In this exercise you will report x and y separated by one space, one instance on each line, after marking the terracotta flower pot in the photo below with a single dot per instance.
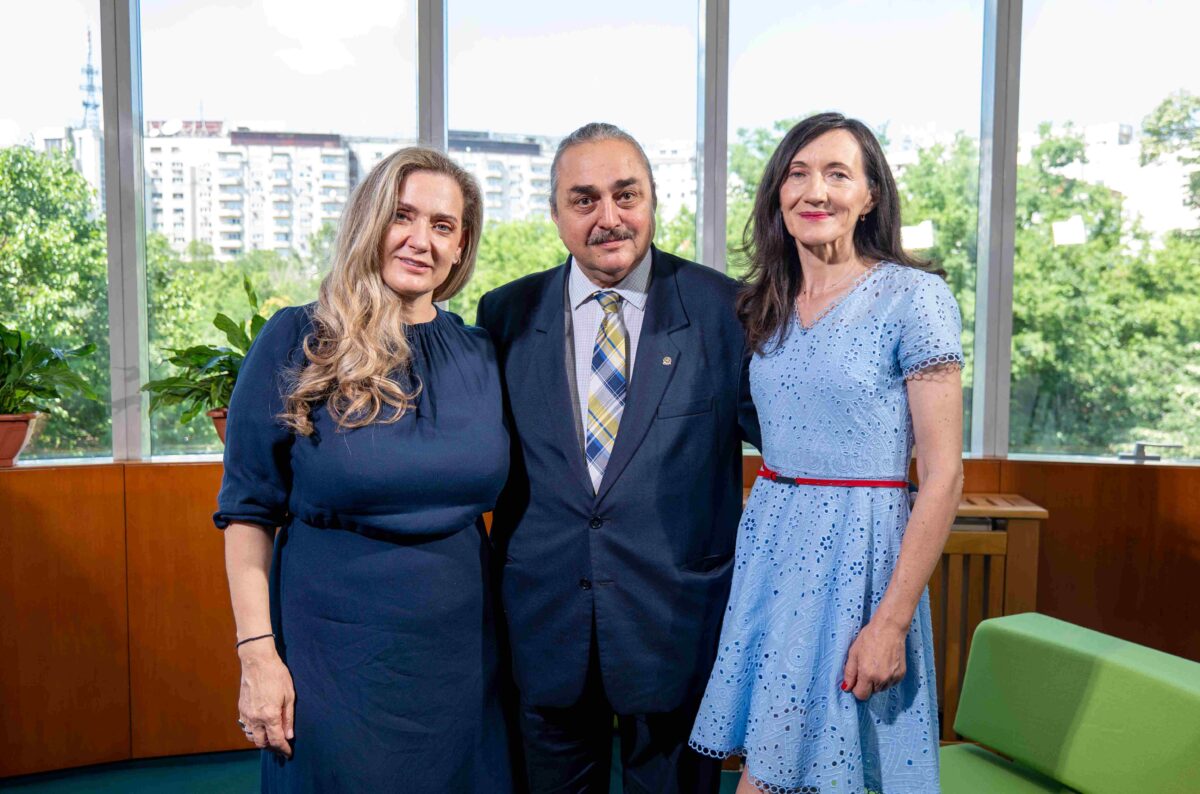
218 416
15 431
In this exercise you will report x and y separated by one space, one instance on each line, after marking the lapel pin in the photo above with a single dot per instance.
666 361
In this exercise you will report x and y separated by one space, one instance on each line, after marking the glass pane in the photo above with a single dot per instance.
53 260
260 118
788 60
1106 294
635 69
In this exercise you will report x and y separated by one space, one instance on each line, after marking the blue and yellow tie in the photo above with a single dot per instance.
606 392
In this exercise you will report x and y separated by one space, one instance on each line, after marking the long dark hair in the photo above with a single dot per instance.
773 279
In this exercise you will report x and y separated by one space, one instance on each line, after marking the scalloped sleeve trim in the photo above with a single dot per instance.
954 360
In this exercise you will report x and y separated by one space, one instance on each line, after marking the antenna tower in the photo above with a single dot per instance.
91 95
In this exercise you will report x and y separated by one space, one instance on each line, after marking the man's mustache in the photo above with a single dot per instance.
610 236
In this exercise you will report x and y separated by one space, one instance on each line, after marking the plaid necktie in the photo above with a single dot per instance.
606 391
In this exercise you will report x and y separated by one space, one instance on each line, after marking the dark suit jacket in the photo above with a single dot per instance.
648 557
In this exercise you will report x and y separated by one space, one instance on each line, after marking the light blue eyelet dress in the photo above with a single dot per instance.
813 562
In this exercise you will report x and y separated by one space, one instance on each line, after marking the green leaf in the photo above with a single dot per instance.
256 324
250 294
34 375
233 332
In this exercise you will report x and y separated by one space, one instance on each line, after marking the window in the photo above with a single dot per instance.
493 47
308 55
1106 300
923 104
53 261
1105 338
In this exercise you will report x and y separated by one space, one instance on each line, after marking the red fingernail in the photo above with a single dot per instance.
844 687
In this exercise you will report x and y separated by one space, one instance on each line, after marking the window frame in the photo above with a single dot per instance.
1001 53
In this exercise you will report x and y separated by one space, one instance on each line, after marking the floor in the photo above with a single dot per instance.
194 774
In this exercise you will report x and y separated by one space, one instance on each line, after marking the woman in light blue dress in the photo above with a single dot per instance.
824 677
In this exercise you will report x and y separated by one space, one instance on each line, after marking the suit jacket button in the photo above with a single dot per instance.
596 522
585 584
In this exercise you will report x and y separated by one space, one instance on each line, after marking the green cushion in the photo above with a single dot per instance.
968 769
1094 712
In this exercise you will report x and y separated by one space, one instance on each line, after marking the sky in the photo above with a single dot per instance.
546 67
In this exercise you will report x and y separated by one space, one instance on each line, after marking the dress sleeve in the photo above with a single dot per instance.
931 335
258 472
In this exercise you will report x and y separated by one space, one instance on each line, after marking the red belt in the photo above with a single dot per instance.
774 476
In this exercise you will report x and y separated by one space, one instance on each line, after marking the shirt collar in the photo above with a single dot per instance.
633 289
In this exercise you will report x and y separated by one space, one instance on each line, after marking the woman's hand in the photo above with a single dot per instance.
266 700
876 659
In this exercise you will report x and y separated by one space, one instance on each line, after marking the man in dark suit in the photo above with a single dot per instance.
625 375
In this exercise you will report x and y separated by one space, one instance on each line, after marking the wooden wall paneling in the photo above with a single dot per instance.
995 599
981 475
750 464
975 591
937 615
64 631
955 652
1021 588
184 671
1174 559
967 586
1120 552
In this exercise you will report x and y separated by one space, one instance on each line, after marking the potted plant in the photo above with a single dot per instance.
32 375
207 373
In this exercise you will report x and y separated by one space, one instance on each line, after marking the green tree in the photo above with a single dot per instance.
942 187
54 270
508 251
748 158
1104 341
1172 129
1104 331
186 291
678 235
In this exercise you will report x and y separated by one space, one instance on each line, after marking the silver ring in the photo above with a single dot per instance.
239 722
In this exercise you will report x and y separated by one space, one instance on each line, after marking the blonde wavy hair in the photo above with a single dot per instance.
358 343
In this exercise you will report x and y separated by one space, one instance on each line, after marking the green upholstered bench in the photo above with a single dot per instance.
1075 710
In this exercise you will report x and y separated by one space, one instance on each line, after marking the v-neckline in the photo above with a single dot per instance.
858 282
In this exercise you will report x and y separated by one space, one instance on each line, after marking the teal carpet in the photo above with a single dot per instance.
234 772
189 774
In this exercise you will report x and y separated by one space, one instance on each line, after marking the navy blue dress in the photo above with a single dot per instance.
380 598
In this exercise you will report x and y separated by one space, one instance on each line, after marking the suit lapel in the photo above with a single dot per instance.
664 315
548 372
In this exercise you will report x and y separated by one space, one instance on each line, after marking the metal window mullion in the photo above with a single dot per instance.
997 229
120 55
431 73
712 130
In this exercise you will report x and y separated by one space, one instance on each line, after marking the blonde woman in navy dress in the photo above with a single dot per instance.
368 427
824 677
